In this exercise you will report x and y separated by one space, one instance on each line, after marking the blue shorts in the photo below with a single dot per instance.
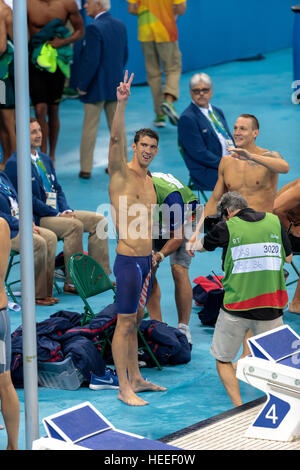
134 282
5 341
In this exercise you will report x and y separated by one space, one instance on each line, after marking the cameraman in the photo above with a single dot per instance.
255 247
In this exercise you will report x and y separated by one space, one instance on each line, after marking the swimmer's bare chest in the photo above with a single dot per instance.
41 13
256 183
248 176
133 208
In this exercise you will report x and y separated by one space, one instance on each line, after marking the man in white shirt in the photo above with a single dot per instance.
203 134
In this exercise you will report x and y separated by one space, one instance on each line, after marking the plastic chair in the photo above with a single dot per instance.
191 183
192 186
90 279
11 263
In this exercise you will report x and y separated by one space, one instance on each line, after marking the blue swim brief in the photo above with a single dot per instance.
134 282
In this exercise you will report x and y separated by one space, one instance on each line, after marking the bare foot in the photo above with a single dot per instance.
145 386
294 308
131 399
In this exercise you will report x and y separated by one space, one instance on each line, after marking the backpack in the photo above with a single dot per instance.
208 294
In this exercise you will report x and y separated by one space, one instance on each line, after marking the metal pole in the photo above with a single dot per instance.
26 238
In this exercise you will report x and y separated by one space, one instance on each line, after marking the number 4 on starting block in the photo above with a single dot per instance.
273 413
275 420
274 368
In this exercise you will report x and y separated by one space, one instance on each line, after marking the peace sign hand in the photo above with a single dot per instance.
123 91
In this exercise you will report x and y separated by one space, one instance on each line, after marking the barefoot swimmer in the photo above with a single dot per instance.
131 191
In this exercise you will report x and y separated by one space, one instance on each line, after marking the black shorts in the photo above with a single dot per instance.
45 87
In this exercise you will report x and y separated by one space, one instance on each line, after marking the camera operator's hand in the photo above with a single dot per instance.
189 249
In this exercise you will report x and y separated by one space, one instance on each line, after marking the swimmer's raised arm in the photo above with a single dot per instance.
276 163
117 157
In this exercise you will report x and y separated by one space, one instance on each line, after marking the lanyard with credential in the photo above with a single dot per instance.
5 188
45 176
12 199
218 125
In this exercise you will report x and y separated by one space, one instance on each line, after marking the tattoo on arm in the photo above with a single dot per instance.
271 153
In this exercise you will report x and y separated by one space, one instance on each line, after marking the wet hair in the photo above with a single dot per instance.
33 119
145 133
233 201
255 123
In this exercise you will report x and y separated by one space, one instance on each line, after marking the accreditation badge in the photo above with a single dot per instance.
229 143
51 200
14 207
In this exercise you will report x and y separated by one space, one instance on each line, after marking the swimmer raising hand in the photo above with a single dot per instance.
133 263
123 91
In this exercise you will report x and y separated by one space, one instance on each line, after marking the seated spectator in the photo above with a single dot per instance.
51 210
203 134
176 201
44 243
10 407
287 208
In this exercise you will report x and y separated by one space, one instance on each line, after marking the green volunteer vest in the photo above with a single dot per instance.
253 265
166 184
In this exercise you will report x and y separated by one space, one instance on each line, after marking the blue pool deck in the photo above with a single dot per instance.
194 391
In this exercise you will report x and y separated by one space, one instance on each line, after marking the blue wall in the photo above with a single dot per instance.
214 32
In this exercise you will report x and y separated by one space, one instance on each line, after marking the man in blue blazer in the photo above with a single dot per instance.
44 243
102 63
51 210
203 134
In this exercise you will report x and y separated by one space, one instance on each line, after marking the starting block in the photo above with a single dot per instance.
274 368
84 426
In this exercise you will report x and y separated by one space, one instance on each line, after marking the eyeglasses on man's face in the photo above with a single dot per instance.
198 91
